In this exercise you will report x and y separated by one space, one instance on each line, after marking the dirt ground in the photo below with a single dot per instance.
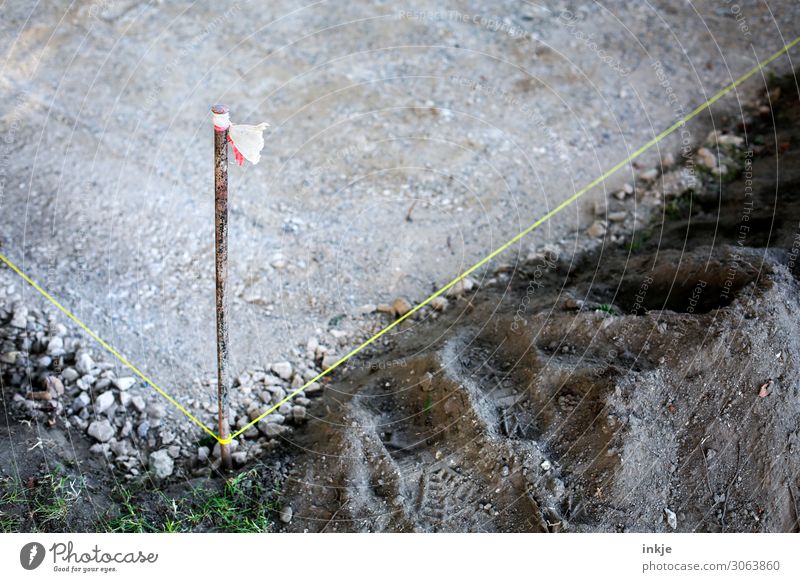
629 367
643 383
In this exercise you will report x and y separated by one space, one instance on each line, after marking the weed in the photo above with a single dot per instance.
638 239
427 406
607 308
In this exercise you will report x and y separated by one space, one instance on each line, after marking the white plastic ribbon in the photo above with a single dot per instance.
247 140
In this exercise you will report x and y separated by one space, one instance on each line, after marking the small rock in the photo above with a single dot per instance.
765 389
9 358
82 400
299 413
367 309
203 453
282 369
597 229
463 287
426 382
439 303
617 216
161 463
708 159
143 429
328 361
156 411
286 514
20 318
400 306
385 308
649 175
546 466
313 389
40 395
138 403
272 429
239 458
84 363
103 402
54 386
667 161
672 519
124 383
311 347
70 375
101 430
55 347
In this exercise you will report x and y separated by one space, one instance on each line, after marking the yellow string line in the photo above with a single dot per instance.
478 265
110 349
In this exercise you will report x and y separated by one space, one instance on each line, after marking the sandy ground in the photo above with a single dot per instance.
485 116
472 120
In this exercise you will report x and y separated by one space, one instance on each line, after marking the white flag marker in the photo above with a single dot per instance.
247 140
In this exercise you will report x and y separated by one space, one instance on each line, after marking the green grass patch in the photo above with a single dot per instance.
245 503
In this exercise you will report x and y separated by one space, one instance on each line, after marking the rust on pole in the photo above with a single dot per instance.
221 127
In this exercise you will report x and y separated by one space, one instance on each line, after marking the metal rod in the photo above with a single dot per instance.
221 253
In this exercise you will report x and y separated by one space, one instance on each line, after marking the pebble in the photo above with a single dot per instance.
400 306
101 430
82 400
708 159
299 413
138 403
672 519
20 318
272 429
203 453
649 175
286 514
103 402
617 216
463 287
439 303
313 389
84 363
124 383
161 463
70 375
282 369
55 347
54 386
597 229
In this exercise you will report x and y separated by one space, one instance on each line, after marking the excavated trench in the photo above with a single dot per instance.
626 393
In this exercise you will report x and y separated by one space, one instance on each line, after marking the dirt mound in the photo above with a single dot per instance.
648 385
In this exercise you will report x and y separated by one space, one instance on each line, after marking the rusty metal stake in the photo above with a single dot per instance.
221 250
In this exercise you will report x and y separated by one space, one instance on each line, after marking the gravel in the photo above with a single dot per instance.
161 463
101 430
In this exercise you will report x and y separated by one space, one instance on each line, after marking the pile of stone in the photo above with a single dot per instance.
51 376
